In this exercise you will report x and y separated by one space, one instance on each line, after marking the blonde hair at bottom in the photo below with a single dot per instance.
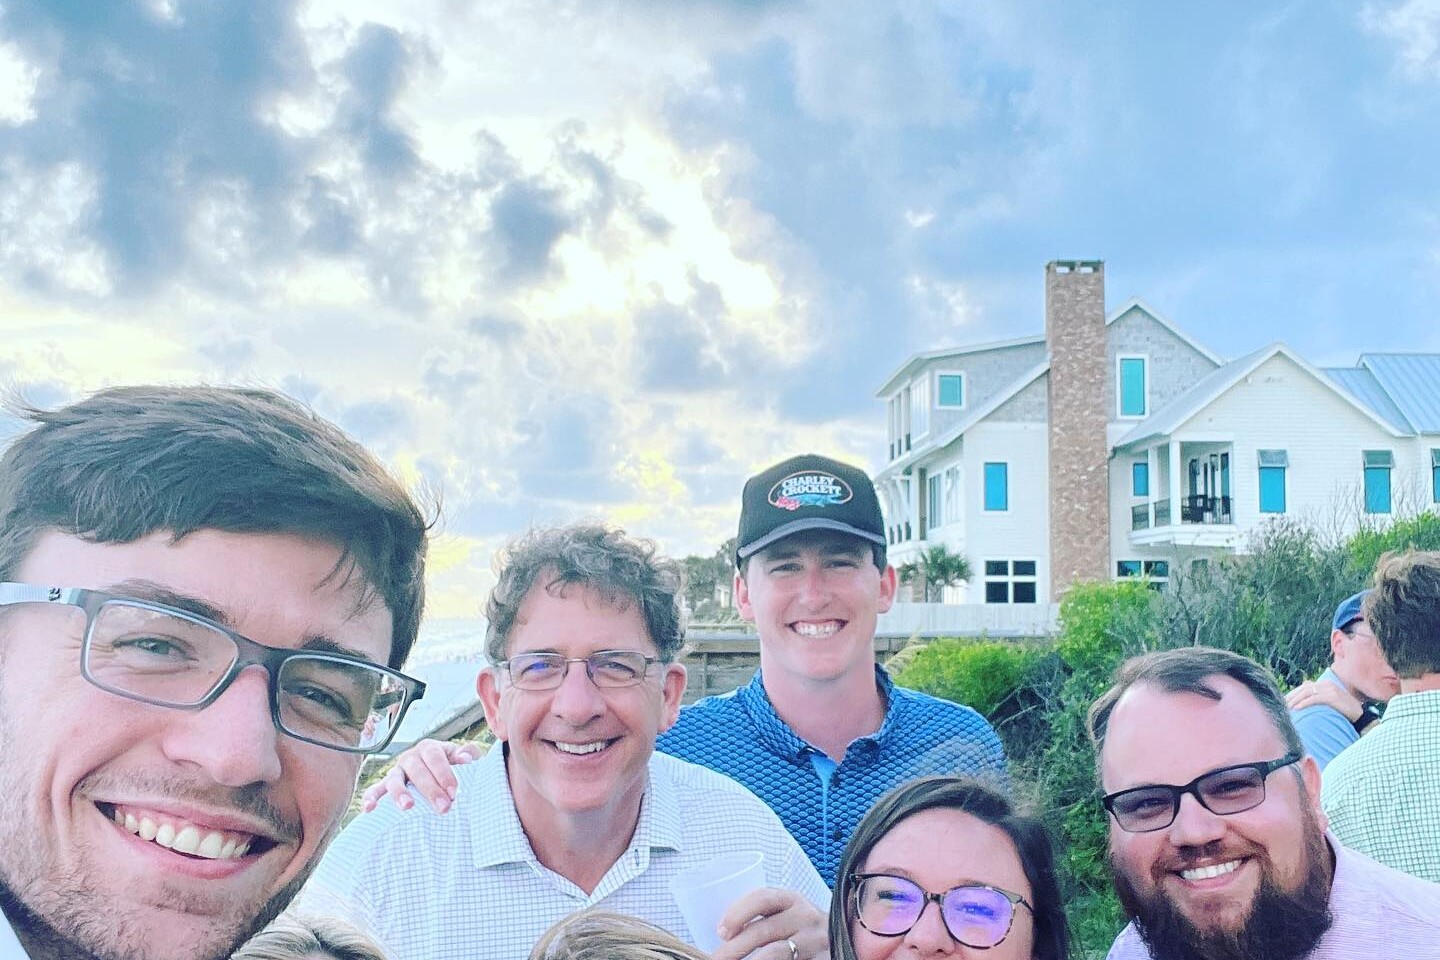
292 937
597 935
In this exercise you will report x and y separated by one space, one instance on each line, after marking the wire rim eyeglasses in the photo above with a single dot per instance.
1223 792
607 669
166 657
976 915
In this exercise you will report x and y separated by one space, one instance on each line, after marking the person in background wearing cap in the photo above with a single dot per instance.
1383 794
821 732
1332 711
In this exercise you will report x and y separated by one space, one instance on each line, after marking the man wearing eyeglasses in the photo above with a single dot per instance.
204 597
573 808
821 732
1217 842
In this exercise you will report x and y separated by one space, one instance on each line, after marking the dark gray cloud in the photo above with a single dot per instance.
332 227
526 220
382 425
568 449
161 111
450 382
231 354
603 193
678 347
674 350
377 68
502 332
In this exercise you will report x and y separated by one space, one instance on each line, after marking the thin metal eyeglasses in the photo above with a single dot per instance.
157 654
976 915
1224 791
605 668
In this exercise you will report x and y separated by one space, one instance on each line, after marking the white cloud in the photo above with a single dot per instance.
1414 27
43 215
18 79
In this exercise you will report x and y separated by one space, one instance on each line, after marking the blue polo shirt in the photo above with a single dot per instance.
818 800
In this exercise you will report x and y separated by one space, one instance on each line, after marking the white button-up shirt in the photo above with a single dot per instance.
467 885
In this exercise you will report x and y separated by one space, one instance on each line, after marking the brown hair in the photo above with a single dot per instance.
1188 670
982 801
1404 611
130 461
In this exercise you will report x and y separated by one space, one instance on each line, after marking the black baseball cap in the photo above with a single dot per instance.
808 492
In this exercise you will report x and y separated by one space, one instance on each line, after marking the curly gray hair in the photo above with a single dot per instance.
622 569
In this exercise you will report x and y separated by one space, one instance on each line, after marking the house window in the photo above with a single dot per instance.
920 407
1140 479
933 500
1155 572
1010 581
952 494
1435 474
952 390
997 486
1132 387
1273 464
1378 464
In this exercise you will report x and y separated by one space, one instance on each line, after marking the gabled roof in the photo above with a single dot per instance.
916 360
1136 303
1209 388
972 417
1412 382
1361 383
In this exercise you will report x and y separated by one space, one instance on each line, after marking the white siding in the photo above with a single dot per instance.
1281 406
1022 532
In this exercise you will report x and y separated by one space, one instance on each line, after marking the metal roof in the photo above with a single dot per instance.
1362 385
1412 381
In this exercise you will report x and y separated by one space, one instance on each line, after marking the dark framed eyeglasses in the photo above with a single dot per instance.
605 668
159 655
976 915
1224 791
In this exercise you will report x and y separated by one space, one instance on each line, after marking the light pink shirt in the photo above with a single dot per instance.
1378 912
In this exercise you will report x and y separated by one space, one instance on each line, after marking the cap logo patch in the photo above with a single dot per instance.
809 489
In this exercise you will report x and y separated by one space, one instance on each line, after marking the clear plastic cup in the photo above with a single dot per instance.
705 892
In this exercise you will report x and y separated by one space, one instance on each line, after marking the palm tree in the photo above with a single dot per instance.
936 568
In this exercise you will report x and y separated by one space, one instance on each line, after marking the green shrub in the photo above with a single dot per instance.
977 673
1421 532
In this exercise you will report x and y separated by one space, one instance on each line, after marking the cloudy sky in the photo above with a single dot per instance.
607 257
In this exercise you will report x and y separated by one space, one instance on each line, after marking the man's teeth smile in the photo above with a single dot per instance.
185 837
809 628
581 749
1210 872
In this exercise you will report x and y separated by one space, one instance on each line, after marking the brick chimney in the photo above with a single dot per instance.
1079 411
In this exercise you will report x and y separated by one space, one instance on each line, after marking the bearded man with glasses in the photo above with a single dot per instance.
573 808
1217 842
205 598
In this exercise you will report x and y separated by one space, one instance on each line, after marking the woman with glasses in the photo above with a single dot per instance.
948 865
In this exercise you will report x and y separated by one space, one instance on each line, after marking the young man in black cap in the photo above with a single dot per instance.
821 732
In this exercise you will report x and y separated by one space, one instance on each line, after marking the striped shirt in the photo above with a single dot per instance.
1378 912
1382 795
468 886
